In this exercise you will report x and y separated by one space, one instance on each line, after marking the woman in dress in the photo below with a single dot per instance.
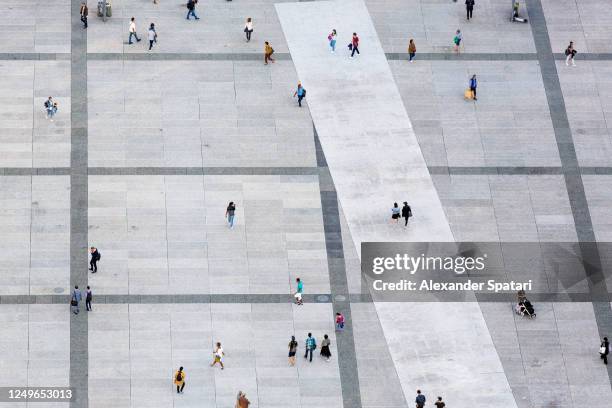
293 345
325 352
218 356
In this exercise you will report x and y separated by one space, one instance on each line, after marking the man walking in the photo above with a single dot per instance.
406 213
152 36
354 45
179 380
420 400
439 403
300 93
570 53
84 12
88 299
95 257
191 9
604 350
311 345
133 31
268 51
469 6
76 297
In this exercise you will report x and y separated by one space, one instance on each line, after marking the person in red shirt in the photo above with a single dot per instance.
355 45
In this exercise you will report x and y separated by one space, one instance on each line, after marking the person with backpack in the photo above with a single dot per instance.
300 93
311 345
570 53
420 400
406 213
49 104
268 51
473 86
88 299
332 40
293 346
132 31
95 257
469 6
179 380
248 28
152 36
354 45
604 350
191 4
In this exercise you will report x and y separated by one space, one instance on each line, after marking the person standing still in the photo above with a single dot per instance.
570 53
311 345
469 6
604 350
132 30
293 345
152 36
95 257
179 380
191 4
406 213
354 45
84 12
420 400
332 40
473 86
76 298
411 49
300 93
230 213
248 29
88 299
268 51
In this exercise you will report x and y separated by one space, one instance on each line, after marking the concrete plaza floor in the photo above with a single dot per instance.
148 148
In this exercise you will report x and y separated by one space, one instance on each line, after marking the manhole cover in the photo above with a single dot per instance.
322 298
340 298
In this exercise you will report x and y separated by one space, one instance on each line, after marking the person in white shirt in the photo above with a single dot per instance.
248 29
133 31
152 36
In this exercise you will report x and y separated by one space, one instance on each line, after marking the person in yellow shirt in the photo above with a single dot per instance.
268 51
179 380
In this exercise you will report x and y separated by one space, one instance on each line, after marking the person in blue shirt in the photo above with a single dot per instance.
311 345
420 399
300 93
300 285
473 85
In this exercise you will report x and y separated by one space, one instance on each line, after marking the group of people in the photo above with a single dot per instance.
51 108
179 380
76 297
420 401
405 212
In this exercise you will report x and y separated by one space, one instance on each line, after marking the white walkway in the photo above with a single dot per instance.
374 158
371 149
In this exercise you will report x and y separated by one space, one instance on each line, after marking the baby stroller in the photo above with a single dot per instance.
525 308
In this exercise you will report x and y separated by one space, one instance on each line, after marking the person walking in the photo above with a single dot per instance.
93 261
406 213
230 213
248 28
49 105
570 53
293 346
604 350
218 356
411 49
84 12
339 321
420 399
191 5
179 380
311 345
300 93
88 299
152 36
75 298
473 86
132 31
395 213
354 45
457 40
439 403
242 401
268 51
469 6
299 291
332 40
325 351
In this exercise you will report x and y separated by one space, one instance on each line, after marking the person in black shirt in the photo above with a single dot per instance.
469 6
406 213
95 257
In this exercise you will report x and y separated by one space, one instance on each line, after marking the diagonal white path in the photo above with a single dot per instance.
371 149
374 159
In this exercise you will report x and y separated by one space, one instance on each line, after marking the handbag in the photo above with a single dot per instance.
74 302
246 29
602 350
